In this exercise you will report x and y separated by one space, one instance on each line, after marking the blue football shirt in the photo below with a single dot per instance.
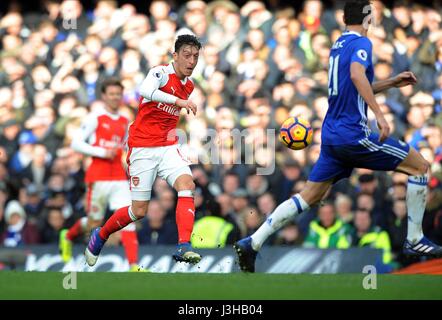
346 118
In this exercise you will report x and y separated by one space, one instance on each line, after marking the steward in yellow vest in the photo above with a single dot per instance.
327 231
367 235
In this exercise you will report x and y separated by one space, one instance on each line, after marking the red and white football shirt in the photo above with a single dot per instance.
156 122
98 132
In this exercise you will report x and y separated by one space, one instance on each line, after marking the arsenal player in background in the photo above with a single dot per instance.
153 150
102 136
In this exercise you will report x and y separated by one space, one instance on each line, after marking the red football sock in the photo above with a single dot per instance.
185 215
130 243
117 221
77 229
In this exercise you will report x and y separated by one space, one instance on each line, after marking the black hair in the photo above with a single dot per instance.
355 11
187 39
362 209
366 177
110 82
327 202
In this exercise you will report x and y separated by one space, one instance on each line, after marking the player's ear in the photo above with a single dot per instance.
175 56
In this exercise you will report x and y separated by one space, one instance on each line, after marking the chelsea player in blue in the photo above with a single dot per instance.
347 142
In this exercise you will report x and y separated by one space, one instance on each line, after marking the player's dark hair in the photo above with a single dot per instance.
110 82
187 39
355 11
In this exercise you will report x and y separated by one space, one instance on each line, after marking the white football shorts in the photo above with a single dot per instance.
145 164
101 194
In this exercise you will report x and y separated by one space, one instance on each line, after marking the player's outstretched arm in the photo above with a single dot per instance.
357 74
79 141
401 80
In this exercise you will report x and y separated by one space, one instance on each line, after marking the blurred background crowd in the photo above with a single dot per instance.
260 63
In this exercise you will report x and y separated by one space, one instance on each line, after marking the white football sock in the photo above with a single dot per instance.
282 214
416 202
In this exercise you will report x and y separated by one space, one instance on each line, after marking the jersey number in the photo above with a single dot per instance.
333 76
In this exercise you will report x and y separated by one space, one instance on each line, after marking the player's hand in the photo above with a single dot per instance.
110 153
187 104
404 79
384 128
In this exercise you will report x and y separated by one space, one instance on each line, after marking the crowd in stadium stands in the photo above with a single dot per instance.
258 66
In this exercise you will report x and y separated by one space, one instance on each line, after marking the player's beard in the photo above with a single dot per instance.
188 71
114 105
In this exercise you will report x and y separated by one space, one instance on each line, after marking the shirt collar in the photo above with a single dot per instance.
347 32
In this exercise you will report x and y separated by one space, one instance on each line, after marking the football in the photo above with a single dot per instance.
296 133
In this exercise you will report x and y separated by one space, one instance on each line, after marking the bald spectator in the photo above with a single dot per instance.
343 207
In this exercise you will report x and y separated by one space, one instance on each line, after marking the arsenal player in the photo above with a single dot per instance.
153 150
102 136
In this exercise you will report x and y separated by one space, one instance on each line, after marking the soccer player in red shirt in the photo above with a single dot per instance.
102 136
153 150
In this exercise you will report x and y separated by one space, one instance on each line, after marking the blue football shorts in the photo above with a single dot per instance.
338 161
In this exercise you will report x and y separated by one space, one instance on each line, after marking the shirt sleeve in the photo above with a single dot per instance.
84 133
362 52
150 87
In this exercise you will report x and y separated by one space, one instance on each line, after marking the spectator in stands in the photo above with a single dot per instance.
343 207
23 156
72 18
252 220
266 203
167 201
397 228
326 231
230 183
289 235
240 208
9 136
291 171
18 231
155 229
53 224
399 191
372 189
33 201
38 170
214 230
256 186
366 234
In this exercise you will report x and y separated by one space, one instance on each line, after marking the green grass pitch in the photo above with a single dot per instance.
177 286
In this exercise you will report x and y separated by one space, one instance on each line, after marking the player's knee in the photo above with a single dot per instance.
191 186
311 198
140 210
188 184
423 168
315 200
